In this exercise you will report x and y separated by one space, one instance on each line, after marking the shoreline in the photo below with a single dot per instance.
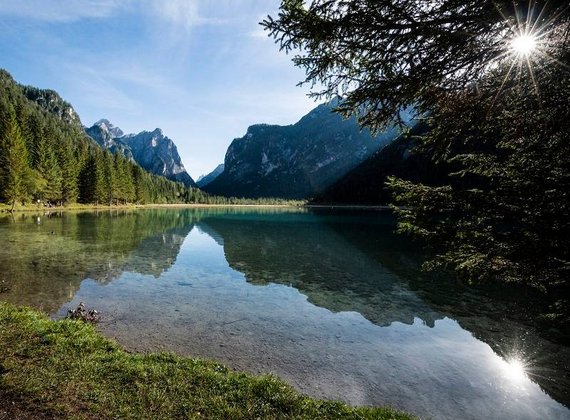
4 209
68 369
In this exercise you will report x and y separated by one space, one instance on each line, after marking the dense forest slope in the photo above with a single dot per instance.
366 184
45 155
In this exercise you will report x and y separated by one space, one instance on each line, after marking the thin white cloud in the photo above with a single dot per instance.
102 92
183 13
135 73
177 11
60 10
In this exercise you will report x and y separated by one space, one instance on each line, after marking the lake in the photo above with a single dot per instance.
332 301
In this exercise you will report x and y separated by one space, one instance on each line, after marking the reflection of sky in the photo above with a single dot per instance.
200 306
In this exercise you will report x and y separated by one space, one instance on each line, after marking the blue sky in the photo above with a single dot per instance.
202 70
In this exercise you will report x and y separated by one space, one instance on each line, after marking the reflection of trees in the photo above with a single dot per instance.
299 251
356 263
49 255
500 316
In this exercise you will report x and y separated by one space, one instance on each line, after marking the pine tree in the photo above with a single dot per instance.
92 179
125 190
504 213
14 168
129 186
47 166
139 183
70 171
23 118
109 178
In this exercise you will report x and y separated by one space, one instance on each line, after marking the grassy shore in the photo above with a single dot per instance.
89 207
67 369
4 208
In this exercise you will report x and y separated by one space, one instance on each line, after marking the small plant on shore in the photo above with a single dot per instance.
83 314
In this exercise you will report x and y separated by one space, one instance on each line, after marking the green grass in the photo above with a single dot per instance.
5 208
68 369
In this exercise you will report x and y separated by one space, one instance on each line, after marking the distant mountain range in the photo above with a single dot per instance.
152 150
322 157
296 161
204 180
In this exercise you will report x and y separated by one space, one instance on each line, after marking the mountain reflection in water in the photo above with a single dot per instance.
331 301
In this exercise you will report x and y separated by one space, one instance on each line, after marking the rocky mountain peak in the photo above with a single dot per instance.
107 126
298 160
152 150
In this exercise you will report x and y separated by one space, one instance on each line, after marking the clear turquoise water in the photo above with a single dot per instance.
331 301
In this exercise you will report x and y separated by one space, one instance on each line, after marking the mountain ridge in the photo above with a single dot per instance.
298 160
204 180
46 157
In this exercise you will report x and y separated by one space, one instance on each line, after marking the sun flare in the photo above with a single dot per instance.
514 369
523 44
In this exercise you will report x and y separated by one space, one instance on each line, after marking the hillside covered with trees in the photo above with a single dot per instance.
45 155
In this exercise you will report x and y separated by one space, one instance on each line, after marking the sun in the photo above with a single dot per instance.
523 44
514 369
